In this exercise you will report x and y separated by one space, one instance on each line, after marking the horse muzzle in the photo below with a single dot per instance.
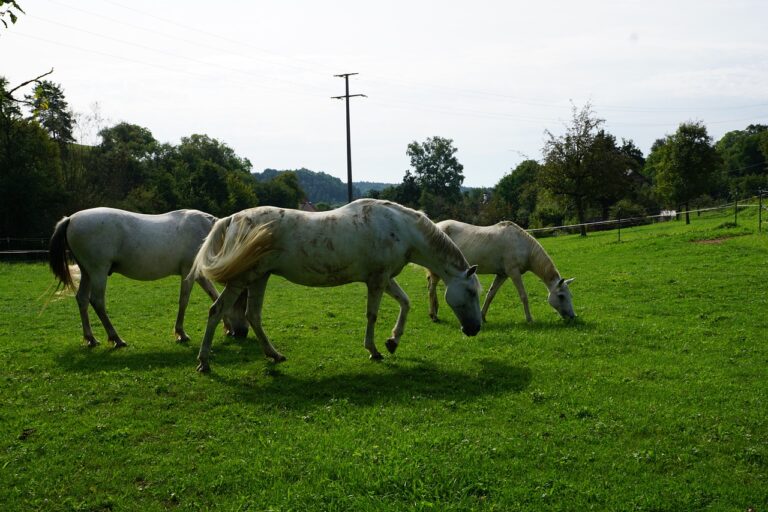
470 329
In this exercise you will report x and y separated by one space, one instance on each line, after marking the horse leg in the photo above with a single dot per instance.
184 292
497 282
517 278
399 295
98 290
375 291
432 280
83 301
223 303
253 313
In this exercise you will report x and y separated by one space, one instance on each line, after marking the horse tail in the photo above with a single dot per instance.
57 254
229 250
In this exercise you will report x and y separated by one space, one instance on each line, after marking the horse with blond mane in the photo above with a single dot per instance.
367 241
507 250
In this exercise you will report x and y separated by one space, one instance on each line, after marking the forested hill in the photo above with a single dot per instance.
321 187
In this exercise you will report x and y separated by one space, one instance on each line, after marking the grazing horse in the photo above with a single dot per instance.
367 241
138 246
507 250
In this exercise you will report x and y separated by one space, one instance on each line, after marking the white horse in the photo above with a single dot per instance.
138 246
367 241
507 250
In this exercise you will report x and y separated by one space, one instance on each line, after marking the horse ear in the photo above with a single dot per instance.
569 281
471 270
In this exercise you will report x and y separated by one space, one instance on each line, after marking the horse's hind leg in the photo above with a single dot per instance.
98 290
497 282
184 292
83 301
399 295
223 303
253 313
432 280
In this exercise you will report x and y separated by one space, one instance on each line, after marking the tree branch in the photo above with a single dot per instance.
9 94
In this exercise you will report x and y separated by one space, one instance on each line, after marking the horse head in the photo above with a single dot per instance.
462 295
560 299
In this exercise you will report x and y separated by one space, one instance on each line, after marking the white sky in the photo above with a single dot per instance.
491 75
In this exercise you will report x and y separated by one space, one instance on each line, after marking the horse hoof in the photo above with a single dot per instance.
279 358
182 338
203 368
119 343
434 318
91 343
391 345
376 357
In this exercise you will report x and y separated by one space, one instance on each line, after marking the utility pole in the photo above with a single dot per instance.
346 96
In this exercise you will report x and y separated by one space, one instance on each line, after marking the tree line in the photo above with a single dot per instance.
45 174
586 175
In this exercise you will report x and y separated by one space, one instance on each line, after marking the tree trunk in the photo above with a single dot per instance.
687 215
580 213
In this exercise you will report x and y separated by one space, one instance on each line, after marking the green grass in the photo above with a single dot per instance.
655 399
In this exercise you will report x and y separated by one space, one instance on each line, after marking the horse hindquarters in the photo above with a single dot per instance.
57 254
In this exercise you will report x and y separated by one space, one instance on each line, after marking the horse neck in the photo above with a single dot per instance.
542 265
433 249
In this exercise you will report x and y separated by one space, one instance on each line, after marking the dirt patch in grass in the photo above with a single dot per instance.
712 241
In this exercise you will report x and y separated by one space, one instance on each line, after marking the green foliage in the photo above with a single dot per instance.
515 194
317 186
744 162
51 110
436 169
652 400
9 10
686 165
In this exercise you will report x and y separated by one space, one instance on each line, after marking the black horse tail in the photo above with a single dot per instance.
57 254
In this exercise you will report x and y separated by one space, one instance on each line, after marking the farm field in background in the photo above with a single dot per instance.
656 398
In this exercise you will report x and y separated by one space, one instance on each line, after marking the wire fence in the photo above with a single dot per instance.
36 249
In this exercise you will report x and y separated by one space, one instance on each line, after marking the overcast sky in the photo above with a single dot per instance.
491 75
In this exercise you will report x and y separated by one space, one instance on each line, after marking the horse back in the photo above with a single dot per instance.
139 246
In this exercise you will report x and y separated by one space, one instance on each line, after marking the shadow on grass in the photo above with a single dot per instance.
101 358
397 379
405 380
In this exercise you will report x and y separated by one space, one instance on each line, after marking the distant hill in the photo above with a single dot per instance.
321 187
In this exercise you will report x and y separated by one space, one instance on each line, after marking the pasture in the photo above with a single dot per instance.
656 398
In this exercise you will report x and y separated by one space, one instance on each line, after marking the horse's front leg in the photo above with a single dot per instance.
432 280
184 292
223 303
399 295
253 312
497 282
375 291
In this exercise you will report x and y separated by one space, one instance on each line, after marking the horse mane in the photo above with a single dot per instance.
225 254
541 263
440 242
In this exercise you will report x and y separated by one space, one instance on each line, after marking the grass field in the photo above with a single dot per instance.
655 399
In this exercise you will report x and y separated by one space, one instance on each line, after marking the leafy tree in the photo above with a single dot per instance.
570 170
50 109
30 173
283 191
686 165
743 160
122 161
407 193
514 196
9 10
436 168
